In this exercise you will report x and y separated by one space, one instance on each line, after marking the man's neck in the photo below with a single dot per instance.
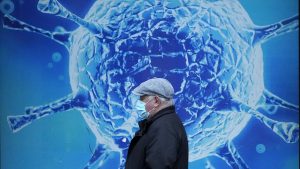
158 109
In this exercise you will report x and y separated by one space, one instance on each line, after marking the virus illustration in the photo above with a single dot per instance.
209 49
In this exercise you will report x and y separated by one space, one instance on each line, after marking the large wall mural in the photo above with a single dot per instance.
210 50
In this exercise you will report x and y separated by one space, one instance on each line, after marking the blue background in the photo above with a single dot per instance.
63 140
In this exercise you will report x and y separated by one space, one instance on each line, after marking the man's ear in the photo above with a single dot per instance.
157 101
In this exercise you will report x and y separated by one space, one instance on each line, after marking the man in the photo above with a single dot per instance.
161 142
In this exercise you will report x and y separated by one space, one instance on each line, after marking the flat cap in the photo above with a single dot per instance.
155 86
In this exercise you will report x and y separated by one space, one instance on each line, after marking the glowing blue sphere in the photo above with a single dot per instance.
202 47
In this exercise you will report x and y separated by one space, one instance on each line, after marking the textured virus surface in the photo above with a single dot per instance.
209 49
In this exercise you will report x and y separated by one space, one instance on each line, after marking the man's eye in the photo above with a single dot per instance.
142 98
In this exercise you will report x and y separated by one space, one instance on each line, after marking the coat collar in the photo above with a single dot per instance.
144 124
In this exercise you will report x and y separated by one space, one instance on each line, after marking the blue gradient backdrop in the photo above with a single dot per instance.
63 141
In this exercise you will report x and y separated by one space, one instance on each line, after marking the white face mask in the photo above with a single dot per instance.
140 109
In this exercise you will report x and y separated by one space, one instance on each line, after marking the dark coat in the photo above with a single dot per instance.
161 143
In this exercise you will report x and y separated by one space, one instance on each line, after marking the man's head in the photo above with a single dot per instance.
156 93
